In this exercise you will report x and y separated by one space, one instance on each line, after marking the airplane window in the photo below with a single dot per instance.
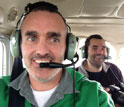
5 56
112 53
81 43
120 61
2 58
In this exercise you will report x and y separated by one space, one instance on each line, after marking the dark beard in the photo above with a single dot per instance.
95 63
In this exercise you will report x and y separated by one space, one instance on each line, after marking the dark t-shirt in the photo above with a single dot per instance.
95 75
111 77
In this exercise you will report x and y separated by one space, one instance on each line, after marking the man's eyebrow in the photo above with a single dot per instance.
53 34
104 46
95 46
98 46
29 33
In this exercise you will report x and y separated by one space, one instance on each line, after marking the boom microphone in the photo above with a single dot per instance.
106 57
57 65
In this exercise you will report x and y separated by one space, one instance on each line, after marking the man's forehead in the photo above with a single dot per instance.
43 15
97 42
30 22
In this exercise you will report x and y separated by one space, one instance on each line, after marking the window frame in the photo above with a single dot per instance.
5 39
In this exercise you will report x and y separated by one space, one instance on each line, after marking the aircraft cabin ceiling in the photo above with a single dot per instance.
86 17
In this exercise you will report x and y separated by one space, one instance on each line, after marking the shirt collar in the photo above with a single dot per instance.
105 68
22 84
81 68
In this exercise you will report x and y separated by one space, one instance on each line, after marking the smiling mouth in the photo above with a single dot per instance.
42 61
99 56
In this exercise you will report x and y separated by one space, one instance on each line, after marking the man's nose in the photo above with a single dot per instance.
100 51
42 48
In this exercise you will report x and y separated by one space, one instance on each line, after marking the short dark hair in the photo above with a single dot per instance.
39 6
87 43
43 6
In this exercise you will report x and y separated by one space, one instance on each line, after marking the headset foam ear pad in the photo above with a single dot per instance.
71 46
14 43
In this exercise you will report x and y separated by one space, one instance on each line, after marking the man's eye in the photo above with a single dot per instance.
31 39
55 40
103 48
95 48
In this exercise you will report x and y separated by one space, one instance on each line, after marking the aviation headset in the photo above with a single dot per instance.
84 49
15 39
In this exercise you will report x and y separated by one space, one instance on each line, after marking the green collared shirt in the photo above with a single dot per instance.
88 93
65 87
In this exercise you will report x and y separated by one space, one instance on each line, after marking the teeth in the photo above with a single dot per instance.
39 61
98 56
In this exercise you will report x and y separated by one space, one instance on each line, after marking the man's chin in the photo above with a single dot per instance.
99 61
45 76
41 79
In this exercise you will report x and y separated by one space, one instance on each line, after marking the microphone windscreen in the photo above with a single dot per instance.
44 65
52 65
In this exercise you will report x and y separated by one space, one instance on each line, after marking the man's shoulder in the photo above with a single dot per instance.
4 91
90 84
111 64
4 80
113 67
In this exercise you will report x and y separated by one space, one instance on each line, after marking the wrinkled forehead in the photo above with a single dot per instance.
42 19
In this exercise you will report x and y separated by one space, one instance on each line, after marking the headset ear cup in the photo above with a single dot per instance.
14 43
71 48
